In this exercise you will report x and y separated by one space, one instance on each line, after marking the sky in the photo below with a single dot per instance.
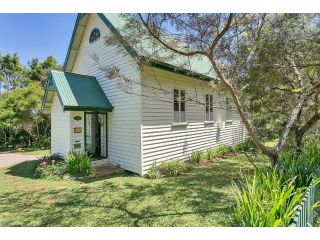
36 35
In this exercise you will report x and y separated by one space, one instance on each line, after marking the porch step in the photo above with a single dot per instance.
103 168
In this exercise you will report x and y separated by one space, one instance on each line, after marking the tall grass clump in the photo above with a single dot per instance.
303 167
263 200
78 162
245 146
196 157
171 168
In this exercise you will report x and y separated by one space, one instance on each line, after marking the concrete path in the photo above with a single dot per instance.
8 159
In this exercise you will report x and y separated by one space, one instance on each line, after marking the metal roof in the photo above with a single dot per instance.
76 92
196 66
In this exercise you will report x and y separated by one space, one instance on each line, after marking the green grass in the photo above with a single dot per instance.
203 197
271 143
34 152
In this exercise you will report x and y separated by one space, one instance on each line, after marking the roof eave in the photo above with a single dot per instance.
87 108
178 70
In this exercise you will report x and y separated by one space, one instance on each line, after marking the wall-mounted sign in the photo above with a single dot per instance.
77 118
76 145
77 130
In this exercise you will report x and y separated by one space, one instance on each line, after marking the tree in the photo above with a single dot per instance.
39 70
227 41
12 73
286 61
19 108
20 119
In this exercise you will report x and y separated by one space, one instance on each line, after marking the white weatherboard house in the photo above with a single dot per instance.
92 113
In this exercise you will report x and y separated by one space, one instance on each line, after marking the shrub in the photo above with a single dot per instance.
51 159
53 171
153 172
173 168
303 166
264 201
243 146
43 143
168 169
218 152
222 150
210 154
52 166
78 162
195 157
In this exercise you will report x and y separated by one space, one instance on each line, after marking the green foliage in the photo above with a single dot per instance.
168 169
221 150
173 168
243 146
153 172
205 192
50 167
53 171
271 196
210 154
21 91
51 159
196 157
263 200
79 163
218 152
303 166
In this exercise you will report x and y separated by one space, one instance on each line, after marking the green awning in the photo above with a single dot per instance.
76 93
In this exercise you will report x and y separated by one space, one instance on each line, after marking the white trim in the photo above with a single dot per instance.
175 124
209 122
185 105
205 106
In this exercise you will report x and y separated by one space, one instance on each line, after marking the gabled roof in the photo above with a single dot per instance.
76 93
195 66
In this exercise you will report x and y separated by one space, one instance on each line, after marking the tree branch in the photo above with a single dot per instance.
221 34
188 54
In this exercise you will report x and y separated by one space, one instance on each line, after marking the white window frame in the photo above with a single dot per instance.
228 110
210 107
179 122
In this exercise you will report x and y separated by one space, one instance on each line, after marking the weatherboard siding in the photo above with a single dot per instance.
124 122
60 128
160 140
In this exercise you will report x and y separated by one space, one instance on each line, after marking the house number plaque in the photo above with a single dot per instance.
77 130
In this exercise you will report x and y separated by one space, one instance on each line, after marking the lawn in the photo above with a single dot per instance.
203 197
34 152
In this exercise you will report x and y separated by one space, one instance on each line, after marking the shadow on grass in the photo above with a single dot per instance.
24 169
108 176
203 197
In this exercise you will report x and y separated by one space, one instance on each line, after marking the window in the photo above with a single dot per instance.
179 105
229 108
94 35
209 107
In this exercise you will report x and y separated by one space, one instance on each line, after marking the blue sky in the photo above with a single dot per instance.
36 35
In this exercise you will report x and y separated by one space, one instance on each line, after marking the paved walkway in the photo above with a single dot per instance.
8 159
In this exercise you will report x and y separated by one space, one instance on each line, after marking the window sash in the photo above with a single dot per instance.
209 107
179 105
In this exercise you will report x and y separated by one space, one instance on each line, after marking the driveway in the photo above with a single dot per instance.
8 159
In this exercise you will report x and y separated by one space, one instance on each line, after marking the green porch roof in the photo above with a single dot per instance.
76 93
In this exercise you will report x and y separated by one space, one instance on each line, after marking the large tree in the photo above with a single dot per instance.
12 72
228 41
21 121
286 61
